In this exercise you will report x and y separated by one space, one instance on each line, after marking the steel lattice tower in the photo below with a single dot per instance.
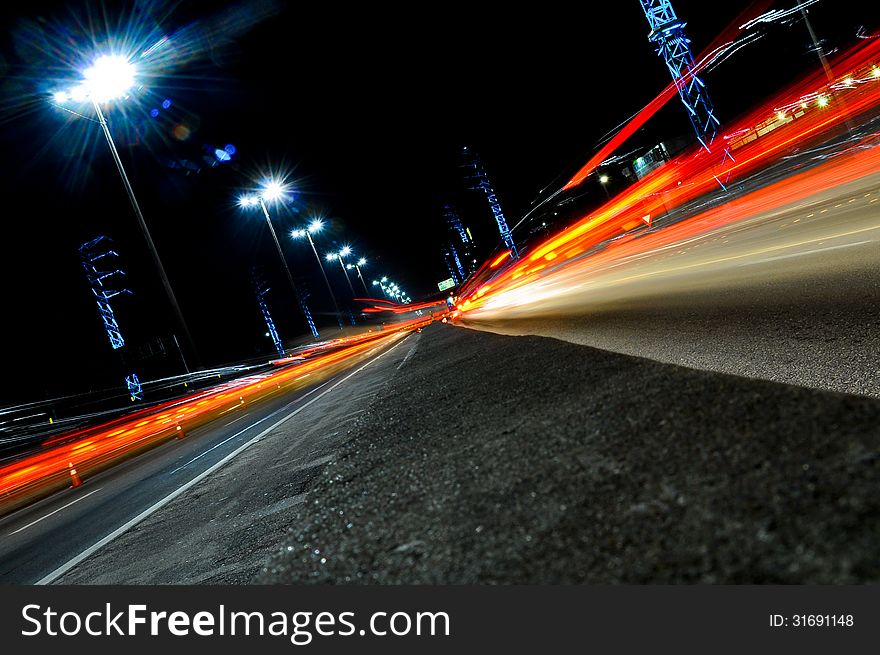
453 264
304 295
482 183
261 289
91 253
667 33
457 261
453 221
459 236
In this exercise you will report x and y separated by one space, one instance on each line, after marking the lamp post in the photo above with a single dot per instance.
273 190
108 78
357 267
315 226
345 252
391 290
385 289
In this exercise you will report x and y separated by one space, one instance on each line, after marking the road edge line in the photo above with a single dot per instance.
125 527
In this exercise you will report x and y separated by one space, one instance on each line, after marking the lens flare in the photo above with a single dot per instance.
272 190
110 77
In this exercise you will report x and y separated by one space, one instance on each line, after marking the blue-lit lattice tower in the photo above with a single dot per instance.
303 297
481 179
453 221
460 240
455 272
94 256
456 260
667 33
261 289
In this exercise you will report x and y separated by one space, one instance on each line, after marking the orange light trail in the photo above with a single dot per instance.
399 308
759 138
648 111
96 448
500 258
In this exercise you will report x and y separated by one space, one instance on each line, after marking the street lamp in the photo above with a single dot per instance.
345 252
108 78
273 190
391 290
315 226
603 180
381 285
357 266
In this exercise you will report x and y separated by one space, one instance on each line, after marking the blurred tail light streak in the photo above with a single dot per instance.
67 460
810 110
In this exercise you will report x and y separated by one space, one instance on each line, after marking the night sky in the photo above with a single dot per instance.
365 110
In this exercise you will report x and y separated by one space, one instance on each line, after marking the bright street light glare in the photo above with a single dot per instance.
349 266
247 201
330 256
603 179
362 261
79 93
384 279
61 97
298 234
345 252
315 225
272 190
111 76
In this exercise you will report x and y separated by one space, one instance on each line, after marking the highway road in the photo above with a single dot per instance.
791 294
490 459
43 541
459 456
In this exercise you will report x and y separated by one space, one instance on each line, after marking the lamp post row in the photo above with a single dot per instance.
273 190
111 77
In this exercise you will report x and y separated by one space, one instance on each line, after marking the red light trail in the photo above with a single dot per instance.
812 109
648 111
66 459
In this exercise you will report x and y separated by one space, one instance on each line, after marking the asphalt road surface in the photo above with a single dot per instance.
495 459
42 541
791 295
460 456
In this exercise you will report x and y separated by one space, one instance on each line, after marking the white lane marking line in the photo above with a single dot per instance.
408 355
749 254
235 420
805 252
232 409
25 527
241 432
64 568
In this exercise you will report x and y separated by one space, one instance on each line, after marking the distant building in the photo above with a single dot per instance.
657 156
